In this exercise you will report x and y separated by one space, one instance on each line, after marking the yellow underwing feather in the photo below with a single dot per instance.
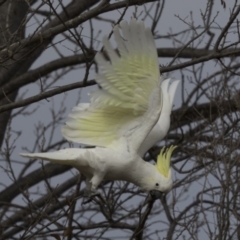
129 101
163 160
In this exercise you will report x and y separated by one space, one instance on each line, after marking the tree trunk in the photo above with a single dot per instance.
12 15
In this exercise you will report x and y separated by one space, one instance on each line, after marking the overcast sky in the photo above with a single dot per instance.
169 22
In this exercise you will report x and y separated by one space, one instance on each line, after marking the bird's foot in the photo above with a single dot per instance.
90 194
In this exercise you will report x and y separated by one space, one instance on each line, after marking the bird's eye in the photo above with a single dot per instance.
157 184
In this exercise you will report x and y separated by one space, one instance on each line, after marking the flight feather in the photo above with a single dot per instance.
129 102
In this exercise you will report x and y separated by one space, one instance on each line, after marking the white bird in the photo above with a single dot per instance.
120 116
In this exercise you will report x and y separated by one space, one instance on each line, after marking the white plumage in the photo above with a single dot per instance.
121 116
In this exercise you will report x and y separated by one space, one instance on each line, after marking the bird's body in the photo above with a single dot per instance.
121 116
99 164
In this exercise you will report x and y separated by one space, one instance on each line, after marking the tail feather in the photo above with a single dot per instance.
68 156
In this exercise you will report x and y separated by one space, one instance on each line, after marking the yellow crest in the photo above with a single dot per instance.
163 160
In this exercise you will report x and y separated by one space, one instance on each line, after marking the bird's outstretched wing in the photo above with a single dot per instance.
130 101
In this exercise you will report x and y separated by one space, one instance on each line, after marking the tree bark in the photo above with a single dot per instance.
12 14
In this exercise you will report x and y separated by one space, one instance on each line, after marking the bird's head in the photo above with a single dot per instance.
161 181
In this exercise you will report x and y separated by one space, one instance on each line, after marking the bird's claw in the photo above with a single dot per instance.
90 194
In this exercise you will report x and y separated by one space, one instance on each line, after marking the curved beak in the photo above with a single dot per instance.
156 194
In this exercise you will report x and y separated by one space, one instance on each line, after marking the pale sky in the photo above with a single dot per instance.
169 22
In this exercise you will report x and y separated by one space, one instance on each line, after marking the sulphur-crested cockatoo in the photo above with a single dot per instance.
120 116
